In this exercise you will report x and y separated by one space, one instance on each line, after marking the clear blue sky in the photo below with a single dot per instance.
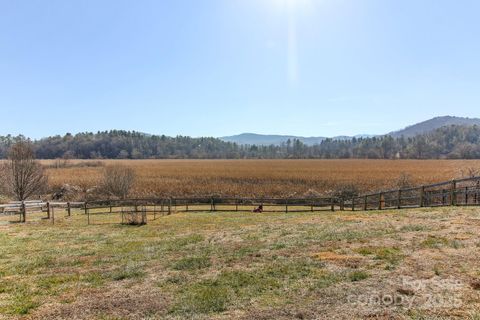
221 67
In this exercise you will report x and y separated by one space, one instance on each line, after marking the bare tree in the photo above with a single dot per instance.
22 175
118 180
3 180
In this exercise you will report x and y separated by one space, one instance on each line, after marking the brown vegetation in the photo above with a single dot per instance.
118 180
262 178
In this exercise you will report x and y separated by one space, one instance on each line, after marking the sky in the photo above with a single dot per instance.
223 67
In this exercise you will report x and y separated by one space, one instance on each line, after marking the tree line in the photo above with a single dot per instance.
452 142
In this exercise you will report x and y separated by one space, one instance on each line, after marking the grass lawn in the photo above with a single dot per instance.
412 264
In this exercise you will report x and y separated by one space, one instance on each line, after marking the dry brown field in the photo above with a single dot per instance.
262 178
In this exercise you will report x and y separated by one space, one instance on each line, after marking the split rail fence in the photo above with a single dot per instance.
38 209
463 192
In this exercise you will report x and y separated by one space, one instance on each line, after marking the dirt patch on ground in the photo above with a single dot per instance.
131 303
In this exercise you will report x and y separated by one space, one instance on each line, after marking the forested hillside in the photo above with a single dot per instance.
433 124
454 142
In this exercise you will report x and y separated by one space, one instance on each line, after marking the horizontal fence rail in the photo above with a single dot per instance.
462 192
21 208
215 204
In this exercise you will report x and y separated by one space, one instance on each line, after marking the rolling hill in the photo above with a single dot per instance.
433 124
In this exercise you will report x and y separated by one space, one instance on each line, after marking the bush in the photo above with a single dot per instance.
118 180
346 191
134 217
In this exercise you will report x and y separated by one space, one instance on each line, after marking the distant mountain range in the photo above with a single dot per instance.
269 139
410 131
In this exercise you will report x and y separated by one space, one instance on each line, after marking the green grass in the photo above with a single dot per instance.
129 271
192 263
358 276
391 255
413 228
203 297
215 265
434 242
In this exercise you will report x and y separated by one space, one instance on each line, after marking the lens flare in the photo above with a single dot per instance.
292 4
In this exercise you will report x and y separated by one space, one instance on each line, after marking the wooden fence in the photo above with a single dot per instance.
160 207
463 192
23 208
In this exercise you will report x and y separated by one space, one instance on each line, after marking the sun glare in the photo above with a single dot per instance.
292 9
292 4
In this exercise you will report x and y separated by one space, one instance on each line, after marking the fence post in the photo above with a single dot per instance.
475 195
85 207
332 201
453 195
48 210
399 199
170 206
422 197
23 217
365 203
466 196
236 204
342 204
381 201
353 203
53 215
69 209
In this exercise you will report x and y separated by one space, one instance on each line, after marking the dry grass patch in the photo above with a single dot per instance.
242 265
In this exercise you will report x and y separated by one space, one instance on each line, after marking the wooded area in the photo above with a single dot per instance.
453 142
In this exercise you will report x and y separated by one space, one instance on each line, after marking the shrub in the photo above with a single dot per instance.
118 180
346 191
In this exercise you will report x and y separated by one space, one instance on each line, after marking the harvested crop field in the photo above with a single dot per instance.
408 264
262 178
